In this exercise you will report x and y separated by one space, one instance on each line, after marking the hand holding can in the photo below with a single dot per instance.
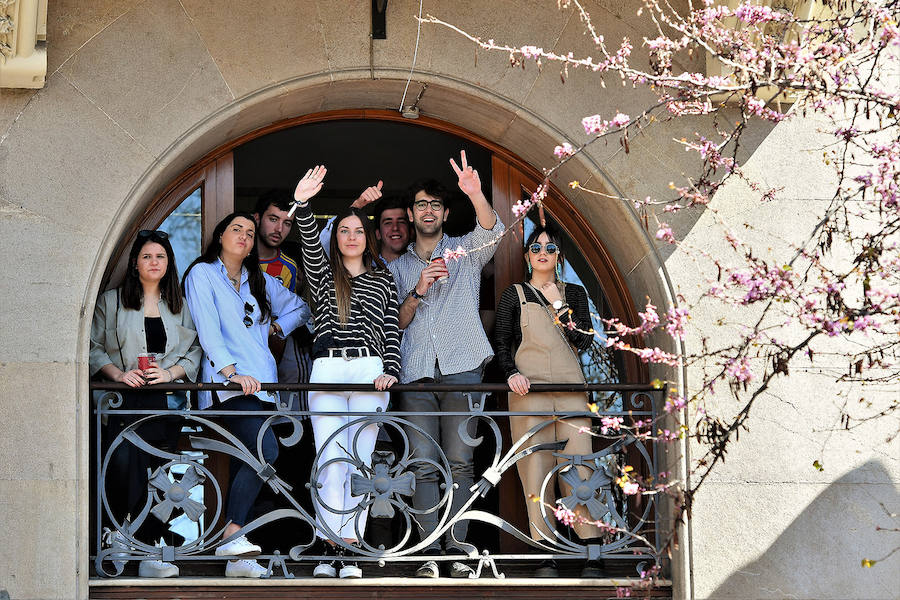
446 276
144 360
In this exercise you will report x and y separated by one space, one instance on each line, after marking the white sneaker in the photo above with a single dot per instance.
350 571
157 568
116 539
239 547
244 568
325 569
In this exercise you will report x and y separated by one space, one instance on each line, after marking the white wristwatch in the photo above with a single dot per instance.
557 305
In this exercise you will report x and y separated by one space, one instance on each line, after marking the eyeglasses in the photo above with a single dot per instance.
248 310
550 248
421 205
159 233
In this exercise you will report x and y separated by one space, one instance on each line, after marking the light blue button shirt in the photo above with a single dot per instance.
218 311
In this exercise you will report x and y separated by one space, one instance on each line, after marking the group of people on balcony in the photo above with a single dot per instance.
367 283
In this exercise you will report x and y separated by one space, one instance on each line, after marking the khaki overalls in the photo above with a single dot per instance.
545 356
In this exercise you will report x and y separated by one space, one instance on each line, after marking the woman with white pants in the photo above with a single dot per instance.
357 341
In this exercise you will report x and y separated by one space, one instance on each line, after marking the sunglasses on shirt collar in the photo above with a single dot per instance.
248 310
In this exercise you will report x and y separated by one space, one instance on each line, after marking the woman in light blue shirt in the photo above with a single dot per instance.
235 306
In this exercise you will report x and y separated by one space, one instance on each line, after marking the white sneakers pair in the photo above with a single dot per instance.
348 569
328 569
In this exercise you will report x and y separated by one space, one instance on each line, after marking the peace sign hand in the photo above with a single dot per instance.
310 184
469 182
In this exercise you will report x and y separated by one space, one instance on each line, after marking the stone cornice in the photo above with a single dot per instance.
23 64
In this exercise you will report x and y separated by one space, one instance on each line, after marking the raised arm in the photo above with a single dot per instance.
470 184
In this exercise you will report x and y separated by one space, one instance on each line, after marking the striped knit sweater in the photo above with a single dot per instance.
373 304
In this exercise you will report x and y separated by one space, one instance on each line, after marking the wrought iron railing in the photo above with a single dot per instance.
385 485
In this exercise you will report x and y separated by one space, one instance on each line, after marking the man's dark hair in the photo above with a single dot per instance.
432 187
281 199
388 203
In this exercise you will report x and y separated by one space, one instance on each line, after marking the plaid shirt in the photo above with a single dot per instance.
446 328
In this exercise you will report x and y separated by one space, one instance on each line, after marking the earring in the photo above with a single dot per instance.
528 264
558 272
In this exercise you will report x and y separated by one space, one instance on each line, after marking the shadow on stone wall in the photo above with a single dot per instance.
818 556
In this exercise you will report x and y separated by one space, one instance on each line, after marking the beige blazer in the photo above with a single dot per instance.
117 337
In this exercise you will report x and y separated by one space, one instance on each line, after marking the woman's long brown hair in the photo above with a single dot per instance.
342 285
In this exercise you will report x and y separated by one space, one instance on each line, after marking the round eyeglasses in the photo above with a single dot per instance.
421 205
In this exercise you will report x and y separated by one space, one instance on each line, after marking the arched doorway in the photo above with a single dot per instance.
398 151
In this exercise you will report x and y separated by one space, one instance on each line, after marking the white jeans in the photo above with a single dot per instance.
335 478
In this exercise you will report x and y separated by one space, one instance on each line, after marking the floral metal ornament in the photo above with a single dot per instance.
177 494
594 493
383 485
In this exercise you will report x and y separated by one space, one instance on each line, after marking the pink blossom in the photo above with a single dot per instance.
564 151
454 254
610 424
521 207
674 403
753 14
564 515
739 369
649 318
676 319
631 488
665 233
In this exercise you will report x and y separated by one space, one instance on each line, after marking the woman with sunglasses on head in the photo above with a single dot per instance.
542 325
357 340
145 316
235 307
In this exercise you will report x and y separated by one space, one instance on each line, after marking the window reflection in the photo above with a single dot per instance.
183 227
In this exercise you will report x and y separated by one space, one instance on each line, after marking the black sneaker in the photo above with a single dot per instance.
593 569
547 568
349 569
428 570
327 568
460 570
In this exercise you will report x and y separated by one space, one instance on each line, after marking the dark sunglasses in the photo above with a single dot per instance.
550 248
436 205
158 233
248 310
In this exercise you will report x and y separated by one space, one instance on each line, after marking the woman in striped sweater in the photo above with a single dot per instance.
357 340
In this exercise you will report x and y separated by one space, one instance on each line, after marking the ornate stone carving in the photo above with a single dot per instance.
22 63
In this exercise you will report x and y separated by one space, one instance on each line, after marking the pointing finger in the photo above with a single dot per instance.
462 156
456 168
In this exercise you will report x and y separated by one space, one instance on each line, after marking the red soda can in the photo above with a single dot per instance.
440 259
144 361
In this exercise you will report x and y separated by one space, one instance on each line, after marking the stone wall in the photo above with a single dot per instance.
137 90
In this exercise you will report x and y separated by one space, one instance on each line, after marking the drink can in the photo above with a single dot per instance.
144 361
440 259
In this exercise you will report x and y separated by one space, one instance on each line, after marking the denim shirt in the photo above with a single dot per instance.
218 311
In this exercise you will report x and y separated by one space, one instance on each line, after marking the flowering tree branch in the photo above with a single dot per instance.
841 278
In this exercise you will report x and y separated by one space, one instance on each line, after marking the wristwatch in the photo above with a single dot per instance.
413 293
558 305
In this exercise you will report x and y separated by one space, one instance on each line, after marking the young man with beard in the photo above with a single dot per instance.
443 342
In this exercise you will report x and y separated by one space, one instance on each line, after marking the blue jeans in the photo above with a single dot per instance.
445 432
245 483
